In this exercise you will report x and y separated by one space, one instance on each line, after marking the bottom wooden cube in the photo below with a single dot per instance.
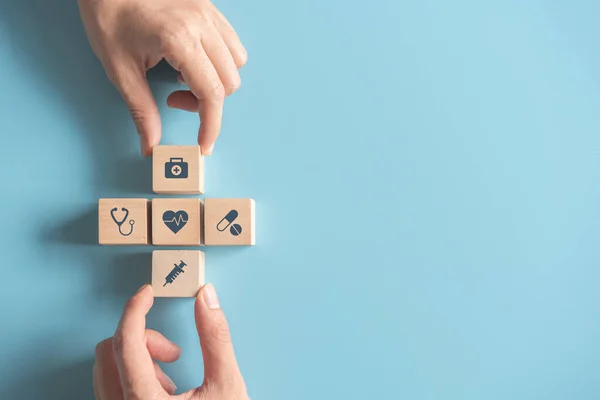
177 273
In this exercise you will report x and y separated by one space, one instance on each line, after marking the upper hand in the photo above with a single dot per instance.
132 36
125 366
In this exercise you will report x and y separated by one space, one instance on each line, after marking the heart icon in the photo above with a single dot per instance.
175 221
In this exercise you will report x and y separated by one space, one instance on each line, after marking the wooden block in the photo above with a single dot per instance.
177 169
229 222
177 273
176 222
123 221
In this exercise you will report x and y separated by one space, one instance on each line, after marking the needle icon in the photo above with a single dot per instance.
178 269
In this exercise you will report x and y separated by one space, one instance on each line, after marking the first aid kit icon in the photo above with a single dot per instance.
176 168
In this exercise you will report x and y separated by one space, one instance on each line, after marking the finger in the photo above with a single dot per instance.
220 365
106 375
166 382
221 57
96 382
161 348
135 90
184 100
231 39
203 80
129 343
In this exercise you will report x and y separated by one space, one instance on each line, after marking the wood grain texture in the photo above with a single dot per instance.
177 170
133 215
229 222
176 222
177 273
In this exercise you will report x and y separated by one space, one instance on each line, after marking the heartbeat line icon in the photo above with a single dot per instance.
178 220
175 220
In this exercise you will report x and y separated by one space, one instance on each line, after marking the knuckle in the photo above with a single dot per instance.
203 16
114 75
234 84
220 331
119 70
118 342
102 347
180 33
138 115
217 90
242 59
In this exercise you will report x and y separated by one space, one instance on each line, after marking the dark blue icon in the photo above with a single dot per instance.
227 220
175 272
176 168
122 221
175 221
236 229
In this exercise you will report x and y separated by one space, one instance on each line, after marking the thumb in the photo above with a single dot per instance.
134 362
220 365
135 90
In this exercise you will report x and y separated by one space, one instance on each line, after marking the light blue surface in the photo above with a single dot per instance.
427 179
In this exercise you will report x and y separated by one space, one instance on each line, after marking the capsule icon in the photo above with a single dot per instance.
227 220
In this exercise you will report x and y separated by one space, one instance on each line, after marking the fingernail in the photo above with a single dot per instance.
180 80
210 149
142 288
143 147
172 384
210 297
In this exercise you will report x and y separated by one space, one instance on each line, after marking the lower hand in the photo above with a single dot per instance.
132 36
125 366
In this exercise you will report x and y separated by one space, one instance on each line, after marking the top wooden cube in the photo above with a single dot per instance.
177 170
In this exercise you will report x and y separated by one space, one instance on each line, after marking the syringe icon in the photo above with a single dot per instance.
175 272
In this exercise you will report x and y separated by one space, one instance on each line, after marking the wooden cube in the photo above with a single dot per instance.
229 222
177 273
176 222
177 169
123 221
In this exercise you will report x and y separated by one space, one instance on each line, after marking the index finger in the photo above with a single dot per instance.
136 368
204 82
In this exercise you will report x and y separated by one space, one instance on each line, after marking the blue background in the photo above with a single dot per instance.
427 179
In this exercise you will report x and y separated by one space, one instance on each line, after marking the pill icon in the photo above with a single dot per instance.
236 229
227 220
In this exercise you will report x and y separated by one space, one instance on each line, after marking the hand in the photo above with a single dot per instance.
132 36
125 366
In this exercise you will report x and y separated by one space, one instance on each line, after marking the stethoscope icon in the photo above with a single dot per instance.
121 222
